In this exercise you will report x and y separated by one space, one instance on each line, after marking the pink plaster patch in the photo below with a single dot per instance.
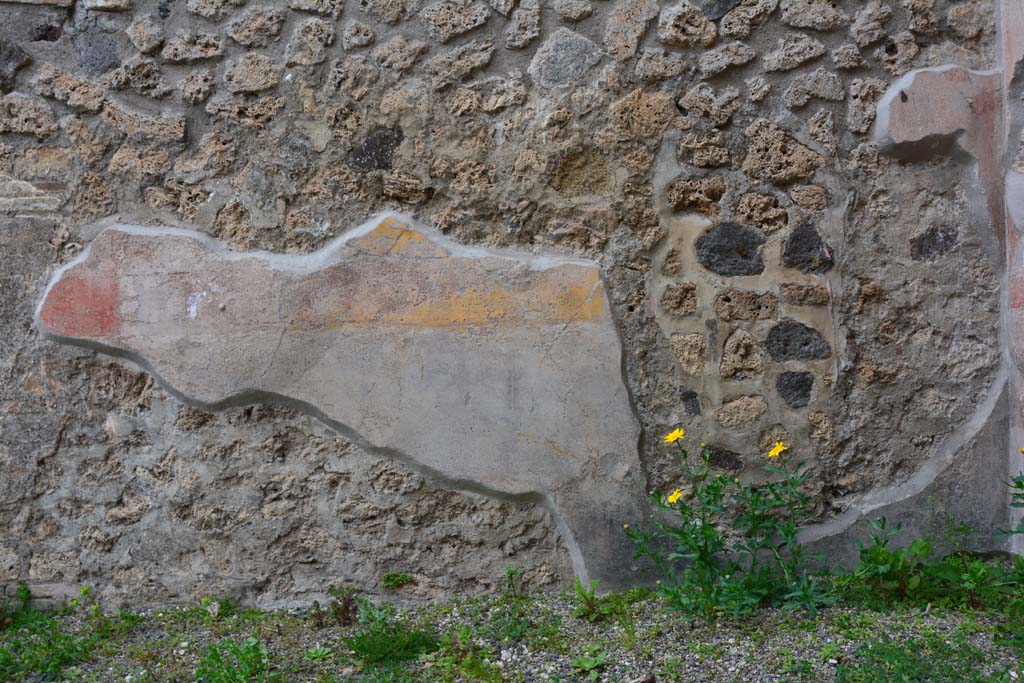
83 307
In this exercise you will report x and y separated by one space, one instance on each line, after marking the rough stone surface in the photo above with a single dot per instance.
257 27
628 160
742 357
12 59
563 58
741 411
309 42
775 156
731 249
251 73
680 300
792 51
806 251
795 388
684 25
398 351
446 19
792 340
741 304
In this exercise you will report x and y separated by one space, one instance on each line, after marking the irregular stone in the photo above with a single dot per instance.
933 240
758 88
795 388
188 47
716 61
821 429
821 83
583 172
740 304
196 86
215 10
141 75
861 104
821 128
327 8
658 65
164 128
309 41
563 58
453 66
820 15
446 19
792 340
970 19
78 93
399 53
923 18
642 114
773 155
718 107
810 197
626 24
344 334
12 59
524 26
129 159
684 25
356 34
731 249
26 115
749 14
98 50
389 11
680 300
848 57
741 411
724 459
704 150
796 294
376 152
145 33
792 51
251 73
405 188
806 251
691 350
898 53
498 93
573 10
249 112
742 357
696 195
869 24
258 27
762 211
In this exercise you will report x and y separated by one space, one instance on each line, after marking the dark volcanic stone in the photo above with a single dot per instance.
12 58
377 151
791 340
806 251
731 249
795 388
691 402
933 242
716 9
724 459
97 51
47 33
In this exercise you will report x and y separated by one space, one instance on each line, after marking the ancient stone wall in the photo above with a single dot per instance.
772 275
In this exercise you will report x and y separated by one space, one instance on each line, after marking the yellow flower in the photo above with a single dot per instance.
777 449
674 496
675 435
1022 451
625 526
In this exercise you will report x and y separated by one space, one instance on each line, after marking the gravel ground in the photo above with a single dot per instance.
539 639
